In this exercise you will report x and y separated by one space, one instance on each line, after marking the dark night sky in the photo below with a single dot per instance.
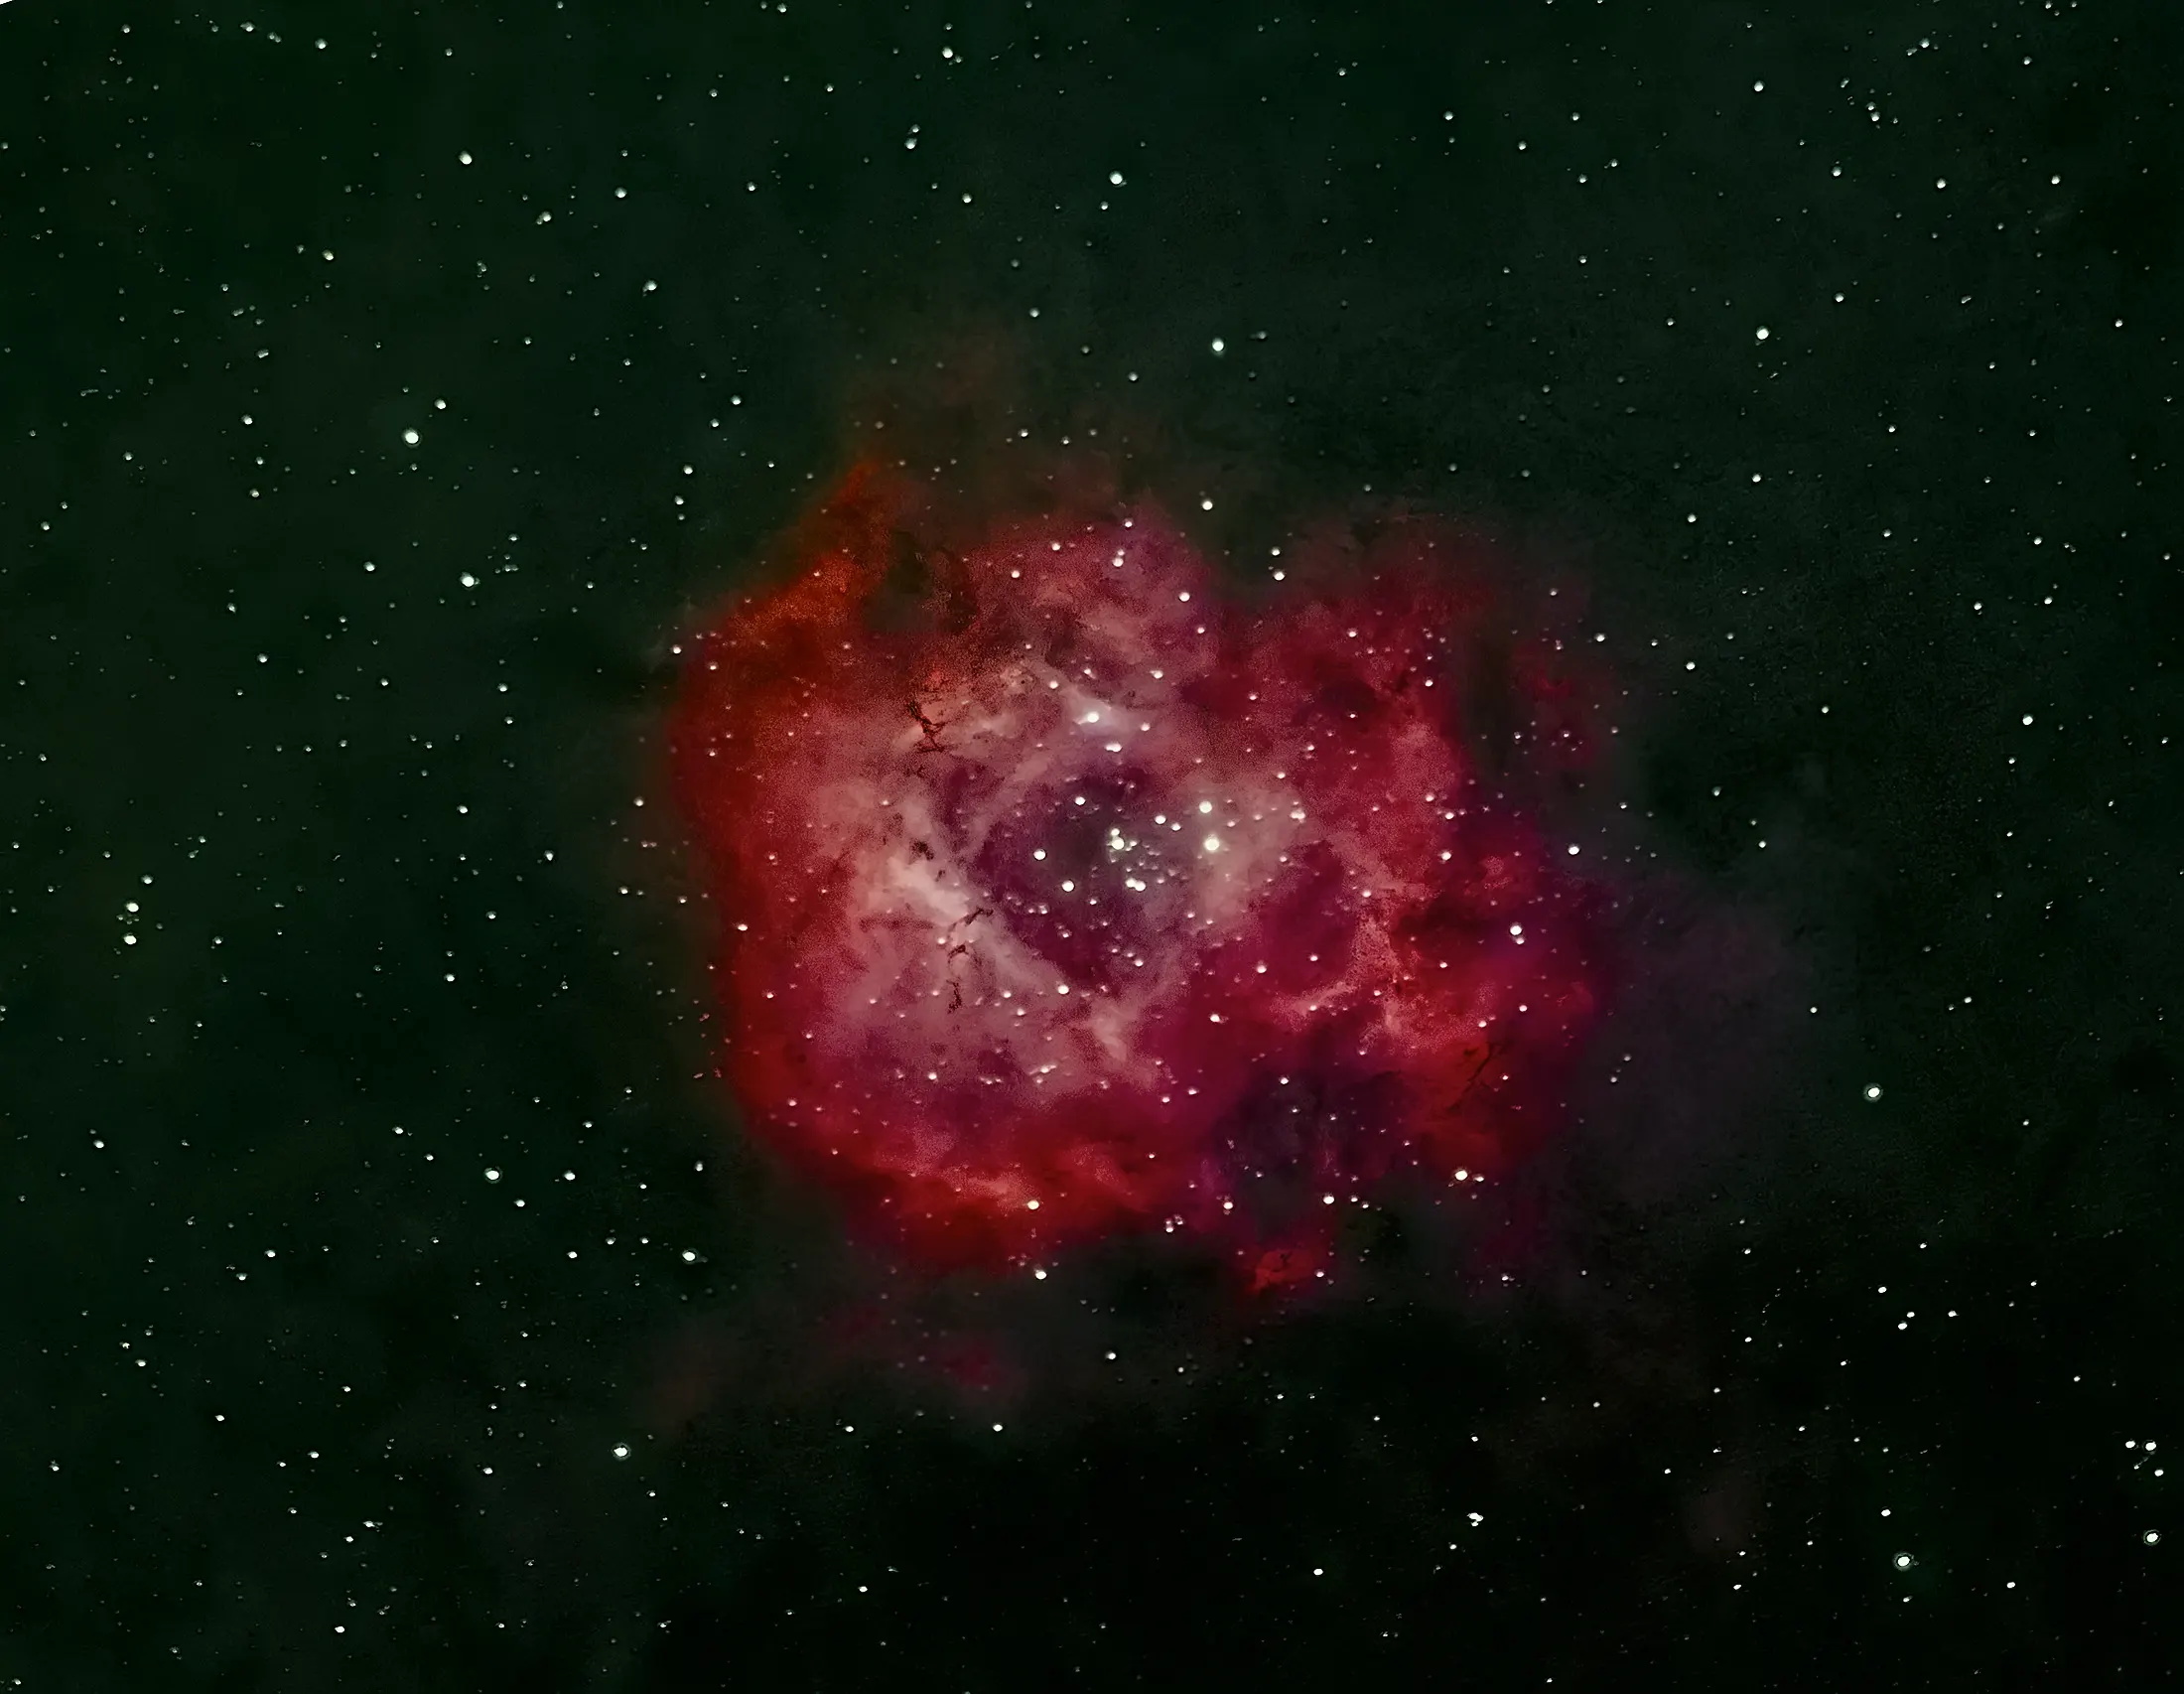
384 391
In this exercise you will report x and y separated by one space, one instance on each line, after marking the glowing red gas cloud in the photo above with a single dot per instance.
1064 892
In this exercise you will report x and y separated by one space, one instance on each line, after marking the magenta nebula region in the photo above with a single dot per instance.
1066 893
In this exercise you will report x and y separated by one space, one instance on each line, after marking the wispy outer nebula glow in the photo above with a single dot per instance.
1063 893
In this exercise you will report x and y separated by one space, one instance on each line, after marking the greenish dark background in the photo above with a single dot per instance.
327 889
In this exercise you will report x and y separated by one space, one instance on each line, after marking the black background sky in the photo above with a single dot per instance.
1834 346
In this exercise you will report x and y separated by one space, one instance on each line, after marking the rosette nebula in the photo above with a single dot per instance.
1066 892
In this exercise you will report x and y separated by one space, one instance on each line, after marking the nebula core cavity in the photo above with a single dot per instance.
1065 894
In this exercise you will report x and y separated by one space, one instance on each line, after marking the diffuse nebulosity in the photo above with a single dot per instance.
1064 891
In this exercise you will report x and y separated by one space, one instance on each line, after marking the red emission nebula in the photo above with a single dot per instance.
1066 893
